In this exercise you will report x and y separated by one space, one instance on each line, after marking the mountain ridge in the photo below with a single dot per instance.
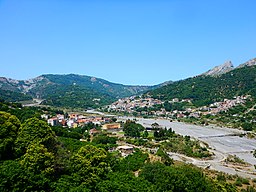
73 89
205 89
227 67
220 69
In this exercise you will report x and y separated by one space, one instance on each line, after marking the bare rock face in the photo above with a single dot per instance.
219 70
249 63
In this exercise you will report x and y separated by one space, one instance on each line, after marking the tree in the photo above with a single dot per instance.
114 119
9 126
145 134
176 178
89 166
247 126
38 160
155 126
12 176
124 181
34 130
32 172
104 139
164 157
132 129
132 162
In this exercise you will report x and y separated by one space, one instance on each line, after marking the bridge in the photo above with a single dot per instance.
224 135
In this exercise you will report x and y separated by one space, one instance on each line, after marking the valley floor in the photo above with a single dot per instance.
222 141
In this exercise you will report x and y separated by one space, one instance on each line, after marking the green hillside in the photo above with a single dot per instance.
12 96
76 91
97 84
74 96
204 90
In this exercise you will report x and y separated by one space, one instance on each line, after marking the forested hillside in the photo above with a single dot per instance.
204 90
12 96
71 90
37 157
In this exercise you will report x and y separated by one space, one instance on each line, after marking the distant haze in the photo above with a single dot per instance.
130 42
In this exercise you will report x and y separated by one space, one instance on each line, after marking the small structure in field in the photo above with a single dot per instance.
125 150
111 126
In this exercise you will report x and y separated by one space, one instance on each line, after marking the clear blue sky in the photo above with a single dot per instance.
124 41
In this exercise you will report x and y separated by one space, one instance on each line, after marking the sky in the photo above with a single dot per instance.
135 42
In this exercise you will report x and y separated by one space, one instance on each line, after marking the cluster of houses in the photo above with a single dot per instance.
131 105
224 106
74 120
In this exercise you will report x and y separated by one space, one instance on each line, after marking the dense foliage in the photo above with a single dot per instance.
9 127
100 85
75 91
132 129
74 96
204 90
40 160
13 96
24 113
187 146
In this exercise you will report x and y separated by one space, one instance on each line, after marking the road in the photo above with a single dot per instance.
222 141
33 103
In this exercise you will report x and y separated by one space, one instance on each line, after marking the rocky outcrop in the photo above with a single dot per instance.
249 63
221 69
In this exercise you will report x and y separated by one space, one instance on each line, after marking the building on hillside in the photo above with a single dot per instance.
125 150
44 116
53 121
70 123
111 126
73 116
75 125
94 131
63 122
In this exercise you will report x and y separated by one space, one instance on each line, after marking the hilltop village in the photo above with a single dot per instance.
139 105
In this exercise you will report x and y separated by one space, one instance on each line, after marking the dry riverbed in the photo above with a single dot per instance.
222 141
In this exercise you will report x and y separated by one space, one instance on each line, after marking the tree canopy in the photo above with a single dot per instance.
34 130
9 127
132 129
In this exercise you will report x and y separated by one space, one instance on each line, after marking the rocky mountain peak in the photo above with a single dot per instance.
249 63
221 69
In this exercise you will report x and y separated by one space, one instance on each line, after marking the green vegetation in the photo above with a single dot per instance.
187 146
132 129
74 96
133 162
163 134
241 116
165 178
170 141
73 91
34 131
12 96
204 90
234 159
9 127
40 159
24 113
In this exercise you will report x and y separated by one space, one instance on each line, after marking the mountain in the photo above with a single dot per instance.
219 70
163 84
68 90
72 90
208 88
249 63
